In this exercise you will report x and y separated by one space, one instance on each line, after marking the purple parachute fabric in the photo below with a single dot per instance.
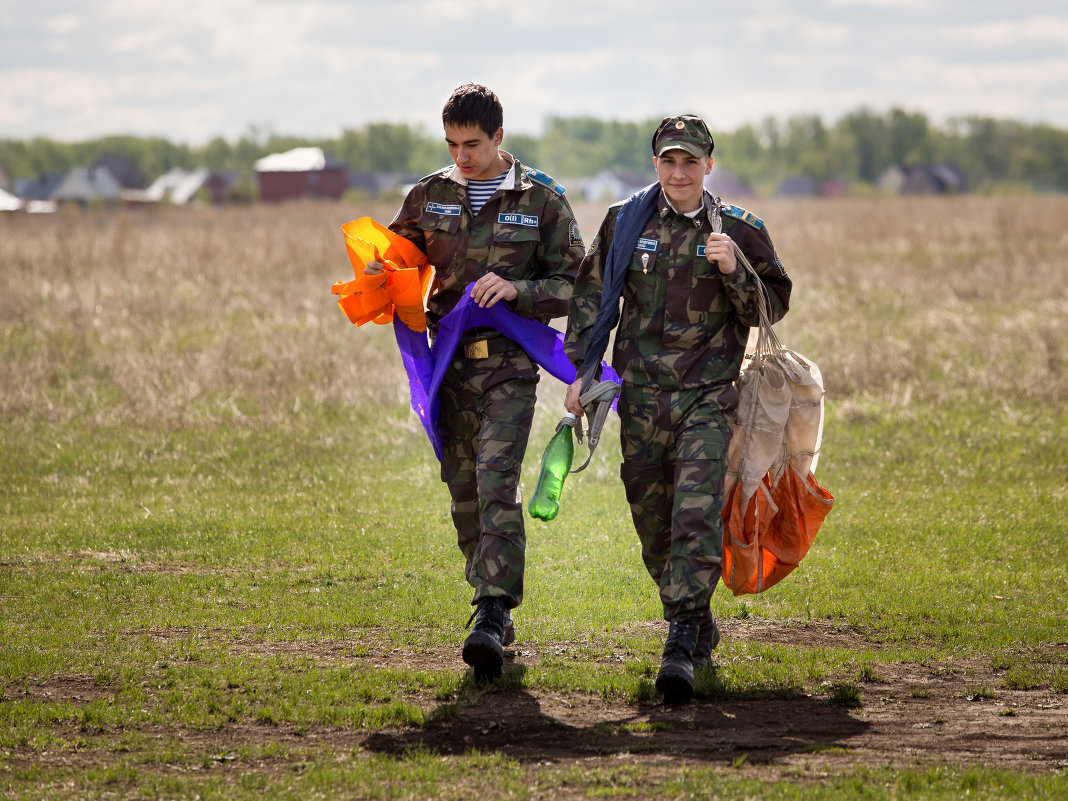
426 366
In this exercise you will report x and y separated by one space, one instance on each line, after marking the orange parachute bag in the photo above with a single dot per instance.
773 504
402 287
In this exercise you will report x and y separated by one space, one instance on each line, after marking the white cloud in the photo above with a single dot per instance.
1013 32
791 29
892 4
62 24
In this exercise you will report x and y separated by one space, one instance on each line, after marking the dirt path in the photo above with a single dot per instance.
908 712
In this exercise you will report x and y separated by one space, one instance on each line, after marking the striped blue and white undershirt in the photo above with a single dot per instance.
481 191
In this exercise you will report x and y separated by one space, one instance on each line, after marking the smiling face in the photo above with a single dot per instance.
475 151
682 177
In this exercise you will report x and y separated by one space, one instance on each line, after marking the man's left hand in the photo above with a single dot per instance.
491 288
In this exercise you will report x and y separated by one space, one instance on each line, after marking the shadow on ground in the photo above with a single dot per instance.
510 720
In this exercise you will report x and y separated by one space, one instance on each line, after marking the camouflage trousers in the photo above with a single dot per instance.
487 405
674 463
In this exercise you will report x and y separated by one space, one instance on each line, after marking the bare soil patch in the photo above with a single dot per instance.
910 712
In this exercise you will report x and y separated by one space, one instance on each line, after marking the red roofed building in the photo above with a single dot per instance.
299 173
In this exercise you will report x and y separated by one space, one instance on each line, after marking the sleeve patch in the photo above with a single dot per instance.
574 238
779 264
747 217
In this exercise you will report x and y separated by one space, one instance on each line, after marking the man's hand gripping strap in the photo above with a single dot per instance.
600 395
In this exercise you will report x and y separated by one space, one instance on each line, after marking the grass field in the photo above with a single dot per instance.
227 568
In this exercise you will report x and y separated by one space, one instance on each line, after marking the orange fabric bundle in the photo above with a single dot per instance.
774 506
764 540
401 288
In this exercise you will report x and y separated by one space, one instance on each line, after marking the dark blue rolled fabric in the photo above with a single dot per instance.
632 217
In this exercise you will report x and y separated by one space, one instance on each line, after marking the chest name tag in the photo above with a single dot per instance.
445 209
701 252
648 245
528 220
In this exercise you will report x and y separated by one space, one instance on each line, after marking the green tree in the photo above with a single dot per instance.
908 138
863 133
857 148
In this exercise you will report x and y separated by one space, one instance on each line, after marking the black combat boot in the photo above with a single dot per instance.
707 640
483 649
675 679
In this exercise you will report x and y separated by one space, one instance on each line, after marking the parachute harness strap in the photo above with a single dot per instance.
768 345
599 399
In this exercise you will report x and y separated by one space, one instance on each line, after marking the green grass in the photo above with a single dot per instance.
184 600
226 557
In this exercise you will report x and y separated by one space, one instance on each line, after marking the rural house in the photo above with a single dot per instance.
301 172
84 185
723 183
611 185
922 179
123 169
179 186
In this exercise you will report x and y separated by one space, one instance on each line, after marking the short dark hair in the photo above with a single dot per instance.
473 104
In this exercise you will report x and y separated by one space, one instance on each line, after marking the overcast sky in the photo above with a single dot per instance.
190 70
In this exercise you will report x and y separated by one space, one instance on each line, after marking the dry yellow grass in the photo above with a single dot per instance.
936 299
172 317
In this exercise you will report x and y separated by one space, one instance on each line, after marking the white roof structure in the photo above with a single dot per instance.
299 159
8 202
177 184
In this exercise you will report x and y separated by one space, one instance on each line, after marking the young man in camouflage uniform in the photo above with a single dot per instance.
687 309
521 247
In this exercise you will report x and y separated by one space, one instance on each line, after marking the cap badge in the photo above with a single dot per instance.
680 125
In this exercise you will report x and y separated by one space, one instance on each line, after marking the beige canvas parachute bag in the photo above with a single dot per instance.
773 505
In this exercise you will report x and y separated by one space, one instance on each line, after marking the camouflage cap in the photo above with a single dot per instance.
685 131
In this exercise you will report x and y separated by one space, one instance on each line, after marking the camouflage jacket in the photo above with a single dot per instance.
526 233
683 324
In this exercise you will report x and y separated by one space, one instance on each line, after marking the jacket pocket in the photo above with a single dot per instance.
512 248
442 232
706 291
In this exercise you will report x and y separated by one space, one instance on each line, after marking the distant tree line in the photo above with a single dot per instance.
856 150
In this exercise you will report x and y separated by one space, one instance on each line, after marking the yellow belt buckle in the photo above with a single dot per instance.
477 350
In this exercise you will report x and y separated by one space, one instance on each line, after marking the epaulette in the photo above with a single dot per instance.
550 183
436 173
745 216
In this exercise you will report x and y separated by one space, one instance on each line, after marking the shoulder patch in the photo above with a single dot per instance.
745 216
436 173
538 177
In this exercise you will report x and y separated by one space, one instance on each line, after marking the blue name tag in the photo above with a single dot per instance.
647 244
447 210
530 221
700 251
